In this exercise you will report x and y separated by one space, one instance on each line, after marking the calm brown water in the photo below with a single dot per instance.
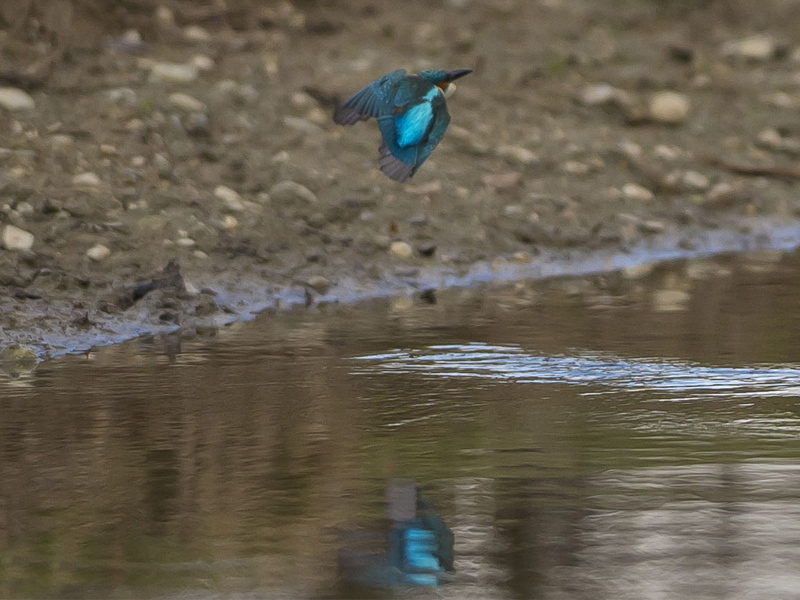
613 437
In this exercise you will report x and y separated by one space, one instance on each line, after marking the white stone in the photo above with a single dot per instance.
186 102
231 198
86 179
696 181
202 62
229 222
518 154
401 249
288 191
195 33
669 107
14 99
597 94
173 72
123 95
756 48
15 238
634 191
98 252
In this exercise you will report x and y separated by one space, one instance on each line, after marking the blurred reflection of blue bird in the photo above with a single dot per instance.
411 112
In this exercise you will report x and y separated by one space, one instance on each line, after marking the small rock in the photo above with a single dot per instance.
123 96
14 99
426 249
502 181
60 140
668 107
401 249
197 125
634 191
231 198
425 188
319 284
186 242
98 253
724 195
652 226
173 72
17 239
86 179
186 102
290 192
304 126
162 164
598 94
574 167
769 138
195 33
202 62
696 181
517 154
756 48
229 223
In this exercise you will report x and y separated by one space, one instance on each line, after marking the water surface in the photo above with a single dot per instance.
622 436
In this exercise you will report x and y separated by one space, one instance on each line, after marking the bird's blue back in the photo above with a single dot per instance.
412 116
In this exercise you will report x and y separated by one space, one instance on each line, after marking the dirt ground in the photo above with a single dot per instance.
178 165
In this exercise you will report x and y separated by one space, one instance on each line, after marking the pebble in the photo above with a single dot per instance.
17 239
162 164
14 99
302 125
231 198
98 253
186 102
186 242
202 62
290 192
574 167
723 195
598 94
86 179
755 48
517 154
229 223
401 249
502 181
123 96
319 284
634 191
769 138
197 124
669 107
195 33
696 181
426 249
60 140
168 72
426 188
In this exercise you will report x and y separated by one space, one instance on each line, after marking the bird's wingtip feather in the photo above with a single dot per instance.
394 168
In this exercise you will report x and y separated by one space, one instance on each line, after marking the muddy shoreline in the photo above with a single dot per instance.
182 172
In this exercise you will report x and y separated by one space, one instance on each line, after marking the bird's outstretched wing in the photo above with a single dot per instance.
375 100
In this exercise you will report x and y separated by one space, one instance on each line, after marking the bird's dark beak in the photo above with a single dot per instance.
453 75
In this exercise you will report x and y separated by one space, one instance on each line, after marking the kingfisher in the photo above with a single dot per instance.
411 112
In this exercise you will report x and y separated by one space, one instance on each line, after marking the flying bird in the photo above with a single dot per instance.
411 112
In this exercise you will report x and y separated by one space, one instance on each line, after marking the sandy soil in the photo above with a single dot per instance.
161 196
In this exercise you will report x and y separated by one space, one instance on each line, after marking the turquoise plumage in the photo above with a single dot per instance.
412 116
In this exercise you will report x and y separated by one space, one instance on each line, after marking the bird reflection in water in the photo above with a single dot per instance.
417 551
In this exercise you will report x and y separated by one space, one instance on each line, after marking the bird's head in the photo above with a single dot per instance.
441 78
